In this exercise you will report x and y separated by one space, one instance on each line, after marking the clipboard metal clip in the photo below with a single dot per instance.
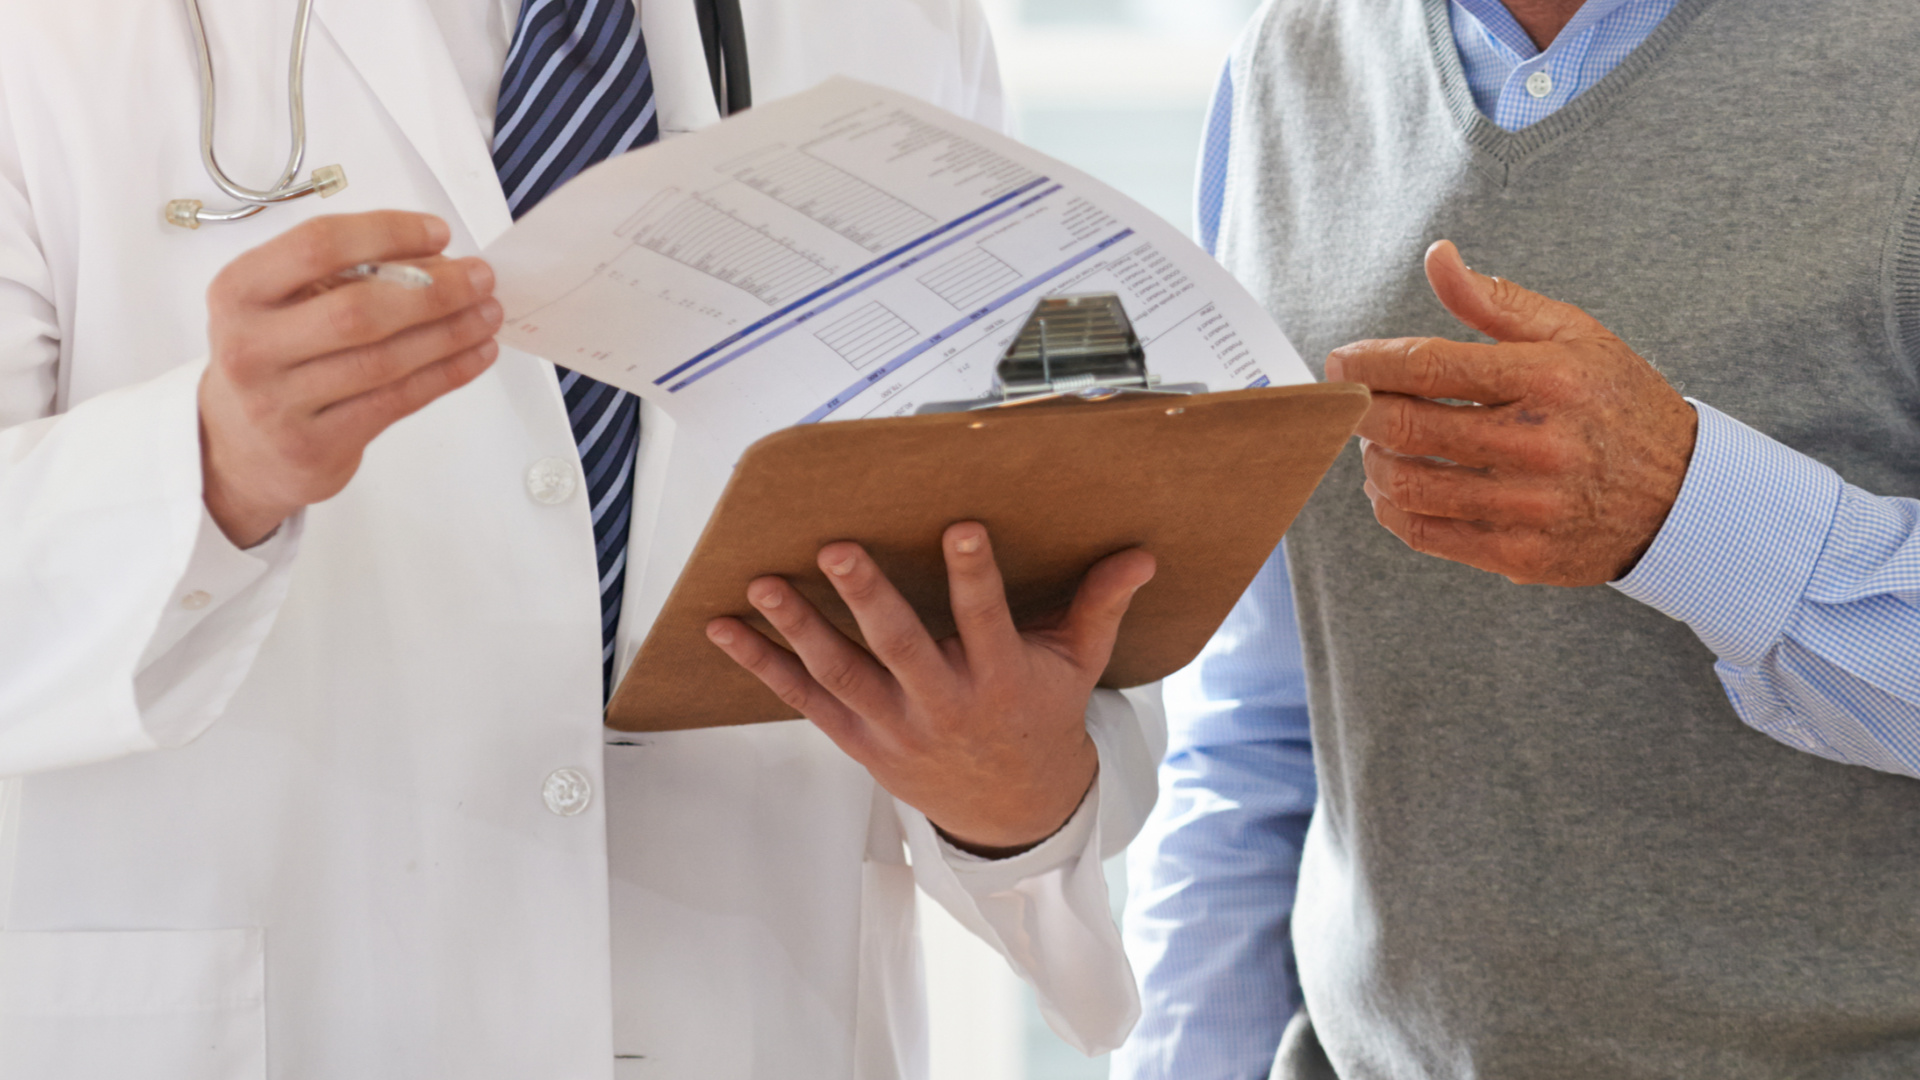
1079 347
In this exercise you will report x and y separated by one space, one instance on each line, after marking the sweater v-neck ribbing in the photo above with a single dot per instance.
1506 152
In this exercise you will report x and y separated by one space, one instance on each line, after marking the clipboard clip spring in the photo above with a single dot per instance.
1082 347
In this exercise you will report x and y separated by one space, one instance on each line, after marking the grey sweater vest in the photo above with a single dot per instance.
1546 847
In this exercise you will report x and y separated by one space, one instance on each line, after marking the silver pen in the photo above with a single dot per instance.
407 277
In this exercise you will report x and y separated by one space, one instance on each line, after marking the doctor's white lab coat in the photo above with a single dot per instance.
293 812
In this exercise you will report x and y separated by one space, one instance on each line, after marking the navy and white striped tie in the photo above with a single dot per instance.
577 89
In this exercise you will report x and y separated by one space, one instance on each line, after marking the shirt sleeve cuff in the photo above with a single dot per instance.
1739 546
217 571
215 621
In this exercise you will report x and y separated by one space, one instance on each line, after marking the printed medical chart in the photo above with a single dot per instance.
850 252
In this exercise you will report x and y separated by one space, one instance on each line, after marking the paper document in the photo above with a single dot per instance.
850 252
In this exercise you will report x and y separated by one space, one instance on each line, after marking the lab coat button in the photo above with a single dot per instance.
195 600
567 791
1540 84
551 480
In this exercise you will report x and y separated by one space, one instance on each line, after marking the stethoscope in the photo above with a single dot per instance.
722 34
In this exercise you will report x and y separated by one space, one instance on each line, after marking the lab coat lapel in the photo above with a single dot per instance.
399 50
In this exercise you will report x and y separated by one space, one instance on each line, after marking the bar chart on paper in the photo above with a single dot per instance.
711 240
850 252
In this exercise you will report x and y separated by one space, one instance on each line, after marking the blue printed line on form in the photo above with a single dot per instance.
1016 293
904 264
816 294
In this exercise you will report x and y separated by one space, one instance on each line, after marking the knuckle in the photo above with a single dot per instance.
760 662
1419 534
980 610
1406 487
1403 427
1553 456
862 585
1557 382
316 244
1510 294
1424 365
470 328
372 365
896 646
840 675
784 618
238 353
787 688
349 318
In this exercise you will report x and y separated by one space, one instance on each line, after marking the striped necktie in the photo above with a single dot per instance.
577 89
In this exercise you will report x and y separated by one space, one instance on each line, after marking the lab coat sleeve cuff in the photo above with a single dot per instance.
105 530
1736 552
1047 910
102 505
983 876
217 572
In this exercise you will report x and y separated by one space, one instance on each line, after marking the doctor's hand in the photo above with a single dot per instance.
307 368
985 732
1563 468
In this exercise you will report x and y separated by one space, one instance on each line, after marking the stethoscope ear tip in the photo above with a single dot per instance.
328 181
184 213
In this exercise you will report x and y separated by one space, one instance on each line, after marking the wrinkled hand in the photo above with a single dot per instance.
1564 468
985 732
306 369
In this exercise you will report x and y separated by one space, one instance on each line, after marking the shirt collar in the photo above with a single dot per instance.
1504 29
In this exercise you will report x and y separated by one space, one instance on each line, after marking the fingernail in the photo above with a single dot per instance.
481 275
768 599
842 569
1335 368
489 349
967 545
721 634
490 311
437 232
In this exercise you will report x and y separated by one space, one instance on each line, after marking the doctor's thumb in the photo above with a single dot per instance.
1105 594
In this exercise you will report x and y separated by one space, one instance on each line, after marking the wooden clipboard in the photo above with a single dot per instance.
1208 483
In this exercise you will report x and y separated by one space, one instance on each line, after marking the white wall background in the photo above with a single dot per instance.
1118 88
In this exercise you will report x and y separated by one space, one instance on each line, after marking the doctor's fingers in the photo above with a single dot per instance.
355 421
1092 624
843 668
252 347
893 630
979 599
367 312
326 380
321 247
783 673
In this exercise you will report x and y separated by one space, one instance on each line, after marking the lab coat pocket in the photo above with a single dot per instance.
153 1004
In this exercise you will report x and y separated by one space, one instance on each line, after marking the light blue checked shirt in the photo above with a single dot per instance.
1806 588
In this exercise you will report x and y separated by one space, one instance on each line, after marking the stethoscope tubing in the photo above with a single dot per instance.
284 188
721 27
724 35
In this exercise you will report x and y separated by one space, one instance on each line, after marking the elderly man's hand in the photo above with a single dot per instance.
1562 469
985 732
